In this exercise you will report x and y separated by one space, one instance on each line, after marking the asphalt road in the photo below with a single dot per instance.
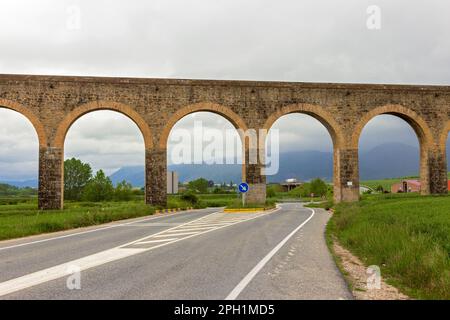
201 254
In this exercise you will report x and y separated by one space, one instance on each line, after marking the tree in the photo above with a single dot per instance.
123 191
99 188
76 176
318 187
200 185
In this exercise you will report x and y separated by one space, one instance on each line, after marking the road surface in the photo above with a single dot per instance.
201 254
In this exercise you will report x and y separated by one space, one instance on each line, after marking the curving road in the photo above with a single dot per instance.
201 254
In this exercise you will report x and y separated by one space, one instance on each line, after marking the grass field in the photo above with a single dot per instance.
25 219
20 217
406 235
387 183
207 200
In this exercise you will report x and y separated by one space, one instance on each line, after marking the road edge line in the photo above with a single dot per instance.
249 277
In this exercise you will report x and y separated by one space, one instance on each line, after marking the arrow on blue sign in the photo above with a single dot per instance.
243 187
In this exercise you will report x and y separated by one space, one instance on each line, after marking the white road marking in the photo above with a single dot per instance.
175 234
61 270
196 228
153 224
103 257
208 224
246 280
84 263
89 231
157 241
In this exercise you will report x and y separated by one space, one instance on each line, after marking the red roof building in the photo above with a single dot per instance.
406 186
409 186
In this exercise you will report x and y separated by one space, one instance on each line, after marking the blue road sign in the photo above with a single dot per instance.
243 187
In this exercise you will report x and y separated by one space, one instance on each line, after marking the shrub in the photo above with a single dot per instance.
270 192
200 185
190 197
123 191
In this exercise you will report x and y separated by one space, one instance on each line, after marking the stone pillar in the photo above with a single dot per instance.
253 174
346 175
156 177
257 185
51 184
433 171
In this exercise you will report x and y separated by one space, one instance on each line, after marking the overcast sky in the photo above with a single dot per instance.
316 40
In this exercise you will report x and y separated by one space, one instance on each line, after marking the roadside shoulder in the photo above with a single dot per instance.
358 276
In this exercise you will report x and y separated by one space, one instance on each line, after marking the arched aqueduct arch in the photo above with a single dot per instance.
337 136
53 103
317 112
86 108
27 113
221 110
418 124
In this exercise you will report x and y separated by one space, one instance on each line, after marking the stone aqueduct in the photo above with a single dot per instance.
53 103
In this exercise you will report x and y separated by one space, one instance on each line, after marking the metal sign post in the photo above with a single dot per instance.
243 188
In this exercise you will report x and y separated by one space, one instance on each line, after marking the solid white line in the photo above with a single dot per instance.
62 270
94 230
84 263
246 280
98 259
89 231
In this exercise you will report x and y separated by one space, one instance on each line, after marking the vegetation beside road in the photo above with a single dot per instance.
25 219
237 204
406 235
387 183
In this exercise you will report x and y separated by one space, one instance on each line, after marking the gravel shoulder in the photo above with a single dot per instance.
363 286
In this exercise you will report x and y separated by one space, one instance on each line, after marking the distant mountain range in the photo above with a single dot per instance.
384 161
32 183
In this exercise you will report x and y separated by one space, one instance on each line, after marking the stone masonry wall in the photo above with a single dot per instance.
53 103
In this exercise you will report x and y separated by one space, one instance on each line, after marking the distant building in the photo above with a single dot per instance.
172 182
364 189
406 186
290 184
410 186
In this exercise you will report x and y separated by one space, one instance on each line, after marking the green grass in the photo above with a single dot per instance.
24 219
326 204
237 204
387 183
19 216
407 235
206 200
